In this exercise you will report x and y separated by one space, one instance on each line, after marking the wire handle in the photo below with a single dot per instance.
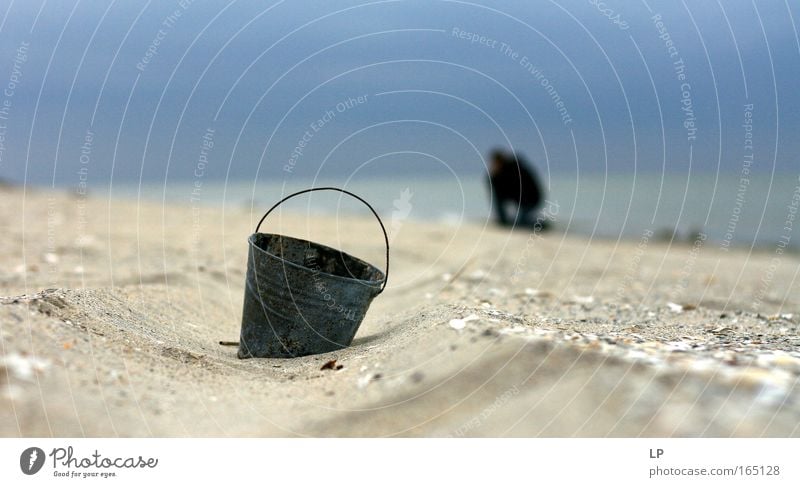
330 188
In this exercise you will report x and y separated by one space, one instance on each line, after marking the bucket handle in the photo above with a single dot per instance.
330 188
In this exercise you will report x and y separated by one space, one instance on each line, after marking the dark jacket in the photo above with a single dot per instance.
517 183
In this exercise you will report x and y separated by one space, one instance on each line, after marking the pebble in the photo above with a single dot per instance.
675 307
364 380
23 367
583 299
678 347
772 395
765 358
460 323
779 359
478 275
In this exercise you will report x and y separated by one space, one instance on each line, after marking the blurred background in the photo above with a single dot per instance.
649 116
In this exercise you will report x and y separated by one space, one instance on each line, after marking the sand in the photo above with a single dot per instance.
112 314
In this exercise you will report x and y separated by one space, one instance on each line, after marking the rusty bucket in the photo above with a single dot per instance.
301 297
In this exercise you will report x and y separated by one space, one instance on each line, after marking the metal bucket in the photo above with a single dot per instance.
303 298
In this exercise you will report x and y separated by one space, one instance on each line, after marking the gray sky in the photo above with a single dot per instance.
575 85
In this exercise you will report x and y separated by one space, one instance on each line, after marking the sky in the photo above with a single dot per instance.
99 92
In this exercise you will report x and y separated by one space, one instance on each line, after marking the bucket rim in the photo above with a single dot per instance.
370 283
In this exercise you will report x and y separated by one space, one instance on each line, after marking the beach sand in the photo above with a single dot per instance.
113 312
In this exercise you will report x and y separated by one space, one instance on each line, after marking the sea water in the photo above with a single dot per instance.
724 209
